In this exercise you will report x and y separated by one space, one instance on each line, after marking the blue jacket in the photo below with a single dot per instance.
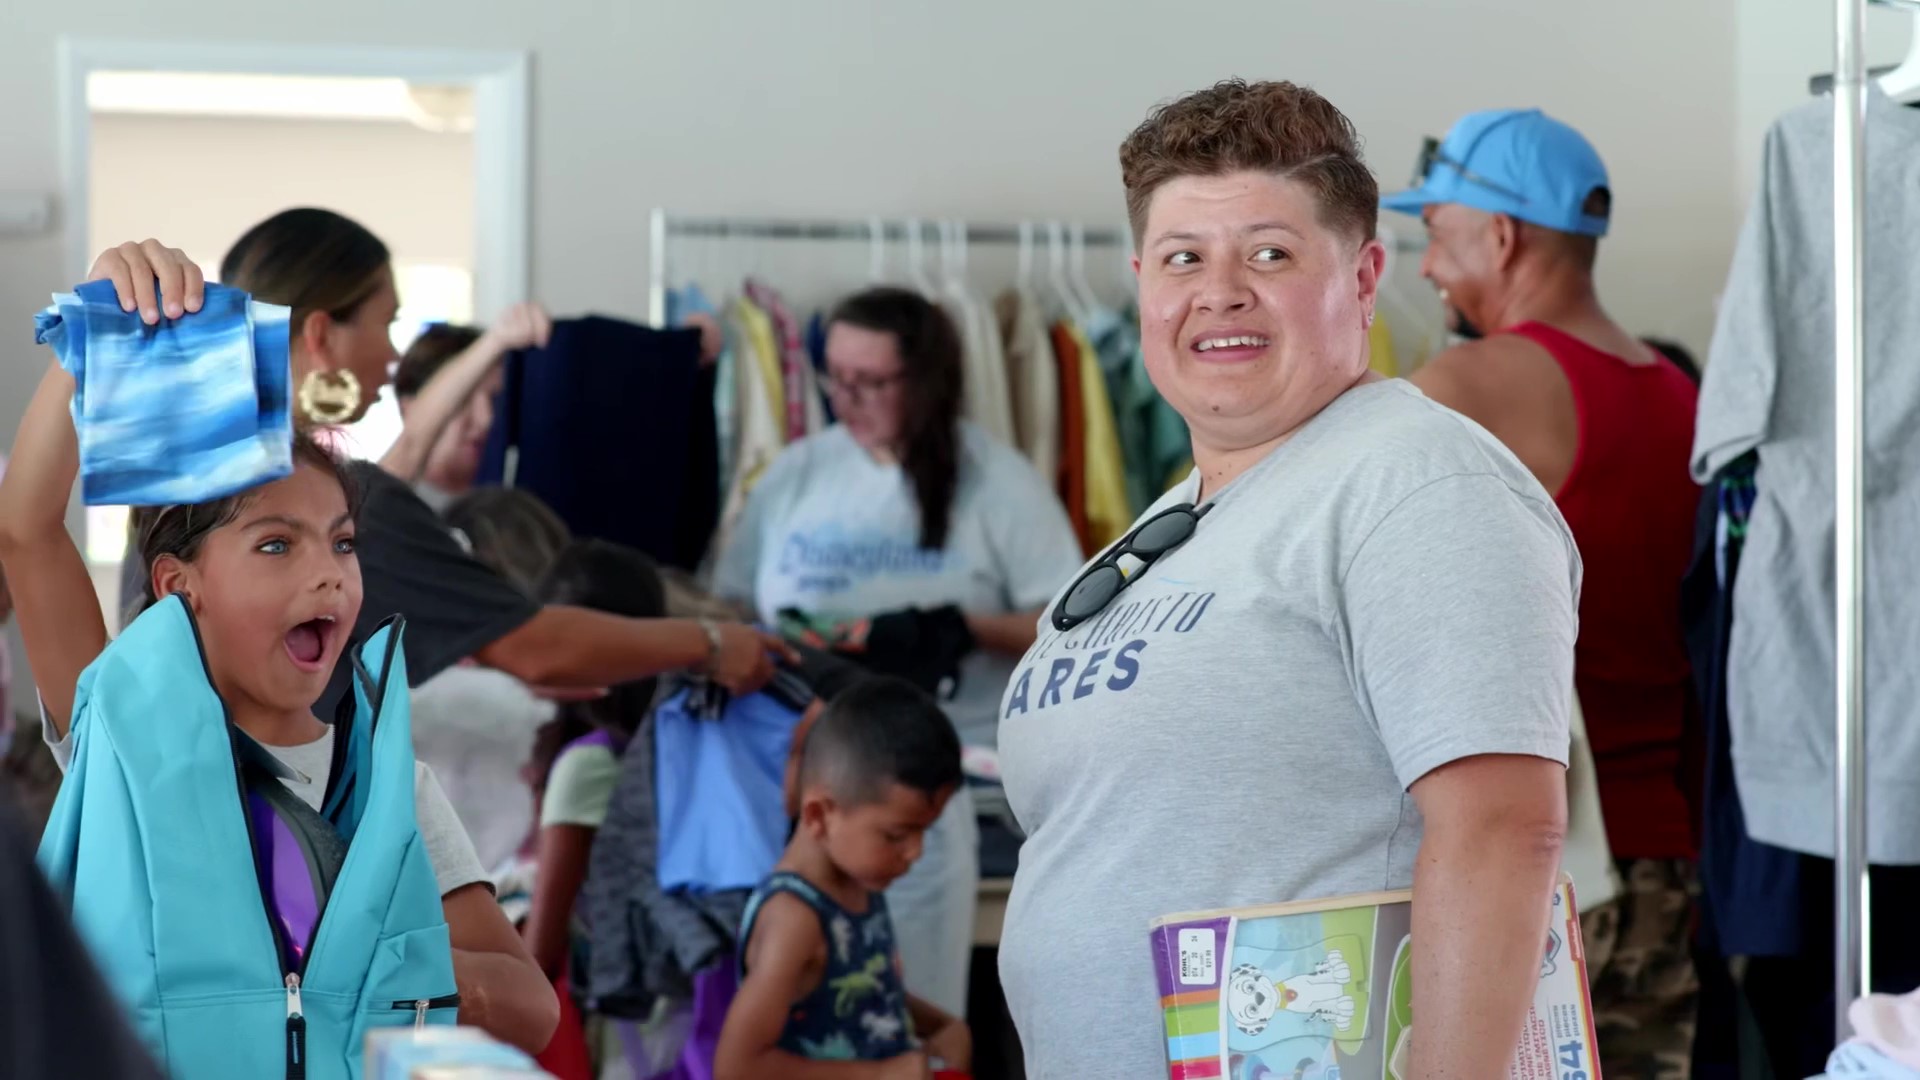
149 844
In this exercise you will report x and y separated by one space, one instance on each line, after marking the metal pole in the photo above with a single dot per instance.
1851 928
657 267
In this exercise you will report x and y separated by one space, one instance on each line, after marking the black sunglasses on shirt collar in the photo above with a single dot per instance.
1098 584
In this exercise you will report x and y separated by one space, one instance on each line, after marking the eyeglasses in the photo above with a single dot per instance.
861 388
1430 155
1098 584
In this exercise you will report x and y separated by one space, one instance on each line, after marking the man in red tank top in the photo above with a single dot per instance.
1515 204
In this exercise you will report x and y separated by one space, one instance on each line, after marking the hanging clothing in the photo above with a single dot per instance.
1033 380
1116 341
1106 484
1753 888
1071 480
1772 906
1769 385
1381 356
803 414
1155 448
1630 503
192 409
984 387
759 410
613 429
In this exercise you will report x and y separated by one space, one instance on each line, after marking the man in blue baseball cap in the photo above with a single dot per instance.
1515 203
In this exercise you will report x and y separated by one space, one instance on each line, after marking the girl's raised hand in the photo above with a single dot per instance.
149 274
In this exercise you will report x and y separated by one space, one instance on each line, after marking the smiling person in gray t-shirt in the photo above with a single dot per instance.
1354 672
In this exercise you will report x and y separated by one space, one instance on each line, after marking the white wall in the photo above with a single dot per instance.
991 109
412 187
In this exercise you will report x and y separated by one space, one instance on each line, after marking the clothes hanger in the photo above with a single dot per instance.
916 260
1023 275
953 268
1902 84
876 251
1901 81
1083 288
1057 273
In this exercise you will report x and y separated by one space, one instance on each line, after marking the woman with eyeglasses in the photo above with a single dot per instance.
1337 659
903 505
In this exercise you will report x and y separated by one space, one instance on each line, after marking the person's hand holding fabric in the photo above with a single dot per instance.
712 338
922 645
743 658
522 326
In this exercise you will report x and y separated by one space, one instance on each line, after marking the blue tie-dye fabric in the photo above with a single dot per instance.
193 409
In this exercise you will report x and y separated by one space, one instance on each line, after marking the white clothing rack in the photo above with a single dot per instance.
665 227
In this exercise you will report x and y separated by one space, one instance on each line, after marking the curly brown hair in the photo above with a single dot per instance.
1277 128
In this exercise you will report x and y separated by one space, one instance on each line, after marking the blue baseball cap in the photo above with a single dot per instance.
1519 162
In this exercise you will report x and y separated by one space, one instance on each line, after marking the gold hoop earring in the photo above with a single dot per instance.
329 397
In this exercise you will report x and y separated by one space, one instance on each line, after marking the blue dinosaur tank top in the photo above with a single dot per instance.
859 1010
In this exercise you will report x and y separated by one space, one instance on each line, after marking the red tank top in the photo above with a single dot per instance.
1630 503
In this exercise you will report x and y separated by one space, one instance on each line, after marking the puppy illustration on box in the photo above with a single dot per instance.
1323 994
1285 990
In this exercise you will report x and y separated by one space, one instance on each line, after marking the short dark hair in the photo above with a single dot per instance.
511 531
181 529
619 581
879 732
931 373
1276 128
430 352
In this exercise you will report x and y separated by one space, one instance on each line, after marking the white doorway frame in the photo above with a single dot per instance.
502 144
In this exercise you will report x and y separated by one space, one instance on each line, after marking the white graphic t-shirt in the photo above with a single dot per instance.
1387 592
835 533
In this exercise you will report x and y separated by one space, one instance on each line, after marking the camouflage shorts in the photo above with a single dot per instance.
1640 963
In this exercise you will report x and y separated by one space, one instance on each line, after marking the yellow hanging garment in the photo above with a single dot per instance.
1108 515
1380 345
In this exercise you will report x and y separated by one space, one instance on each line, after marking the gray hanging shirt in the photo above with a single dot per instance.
1388 592
1769 385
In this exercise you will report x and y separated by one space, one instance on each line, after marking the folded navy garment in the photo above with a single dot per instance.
193 409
